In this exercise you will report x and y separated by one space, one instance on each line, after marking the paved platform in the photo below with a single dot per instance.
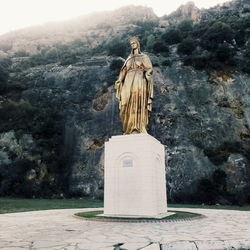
58 229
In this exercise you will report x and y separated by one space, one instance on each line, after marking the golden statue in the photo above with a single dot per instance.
134 90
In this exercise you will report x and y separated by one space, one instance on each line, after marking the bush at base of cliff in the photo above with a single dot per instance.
13 181
206 192
22 179
214 191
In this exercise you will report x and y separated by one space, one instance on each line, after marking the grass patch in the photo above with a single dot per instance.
181 215
243 208
177 216
12 205
92 214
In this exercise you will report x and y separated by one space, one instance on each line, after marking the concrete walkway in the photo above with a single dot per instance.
57 229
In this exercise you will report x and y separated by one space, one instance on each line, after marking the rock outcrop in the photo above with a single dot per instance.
186 11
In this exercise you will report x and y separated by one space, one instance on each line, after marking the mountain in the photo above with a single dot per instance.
58 106
92 29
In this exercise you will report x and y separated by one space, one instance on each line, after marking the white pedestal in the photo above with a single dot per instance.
134 184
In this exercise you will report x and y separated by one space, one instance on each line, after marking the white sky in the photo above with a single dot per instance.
15 14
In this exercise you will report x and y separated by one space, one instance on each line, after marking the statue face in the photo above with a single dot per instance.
133 44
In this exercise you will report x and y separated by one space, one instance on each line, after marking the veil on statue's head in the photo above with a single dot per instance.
135 39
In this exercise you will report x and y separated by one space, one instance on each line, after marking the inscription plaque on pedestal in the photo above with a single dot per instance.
127 163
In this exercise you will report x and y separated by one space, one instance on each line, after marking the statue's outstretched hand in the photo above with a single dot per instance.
149 74
117 84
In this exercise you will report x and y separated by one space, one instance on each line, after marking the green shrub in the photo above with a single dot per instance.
220 179
172 36
52 55
12 109
200 29
48 128
187 46
16 115
198 62
206 192
21 53
116 64
13 181
68 59
217 34
240 37
4 74
214 190
247 53
167 63
246 67
4 70
117 48
160 47
111 78
224 52
185 27
150 42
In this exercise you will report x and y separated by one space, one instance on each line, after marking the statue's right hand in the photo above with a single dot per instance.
117 84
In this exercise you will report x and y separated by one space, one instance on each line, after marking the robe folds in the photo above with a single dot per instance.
135 93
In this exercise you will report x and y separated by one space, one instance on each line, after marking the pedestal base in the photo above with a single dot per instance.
135 183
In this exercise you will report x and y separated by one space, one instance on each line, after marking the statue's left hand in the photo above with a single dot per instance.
149 74
117 84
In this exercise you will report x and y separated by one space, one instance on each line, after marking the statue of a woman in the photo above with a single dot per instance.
134 90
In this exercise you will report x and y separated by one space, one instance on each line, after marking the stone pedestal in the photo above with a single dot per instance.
135 184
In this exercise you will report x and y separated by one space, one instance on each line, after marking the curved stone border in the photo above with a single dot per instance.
140 221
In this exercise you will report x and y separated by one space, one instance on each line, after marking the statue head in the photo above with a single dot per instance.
135 44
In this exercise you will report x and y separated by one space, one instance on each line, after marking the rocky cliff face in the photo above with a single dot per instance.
202 119
56 119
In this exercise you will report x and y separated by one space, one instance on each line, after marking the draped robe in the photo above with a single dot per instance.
135 93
